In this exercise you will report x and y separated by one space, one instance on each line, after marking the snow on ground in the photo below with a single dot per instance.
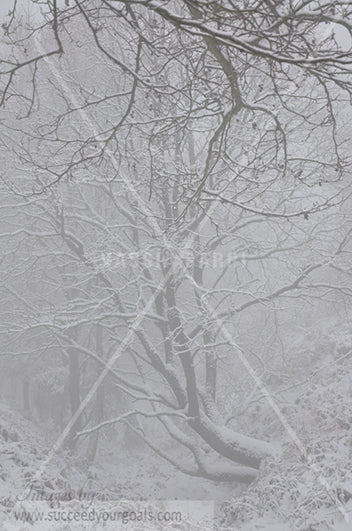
291 494
117 475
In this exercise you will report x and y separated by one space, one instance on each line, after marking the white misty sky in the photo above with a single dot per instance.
341 34
5 5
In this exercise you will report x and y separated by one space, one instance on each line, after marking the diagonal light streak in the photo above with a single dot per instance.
140 317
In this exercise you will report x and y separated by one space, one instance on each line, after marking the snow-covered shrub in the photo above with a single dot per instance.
309 488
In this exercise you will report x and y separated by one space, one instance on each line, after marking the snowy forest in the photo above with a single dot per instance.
176 239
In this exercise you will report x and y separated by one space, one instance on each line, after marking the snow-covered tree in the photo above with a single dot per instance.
177 173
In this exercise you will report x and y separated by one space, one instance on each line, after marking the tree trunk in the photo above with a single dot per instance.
25 395
74 395
98 416
98 413
210 365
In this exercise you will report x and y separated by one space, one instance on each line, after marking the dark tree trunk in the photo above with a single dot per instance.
25 391
210 365
74 395
98 413
97 416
